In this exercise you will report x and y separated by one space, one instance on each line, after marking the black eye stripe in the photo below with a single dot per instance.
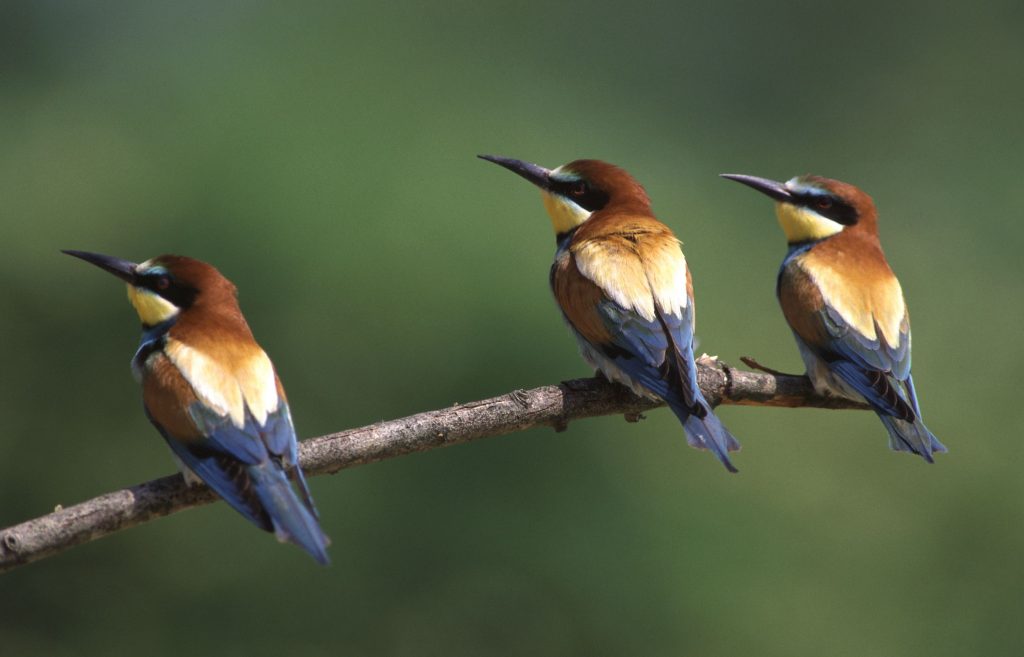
156 281
567 187
581 193
830 207
167 287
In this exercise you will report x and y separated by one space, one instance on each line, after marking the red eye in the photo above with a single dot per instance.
824 203
578 188
163 283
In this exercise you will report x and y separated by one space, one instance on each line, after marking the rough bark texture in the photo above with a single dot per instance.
553 406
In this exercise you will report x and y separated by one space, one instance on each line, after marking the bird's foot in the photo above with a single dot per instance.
634 417
192 480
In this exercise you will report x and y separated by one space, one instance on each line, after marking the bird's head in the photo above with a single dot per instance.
162 288
576 190
811 208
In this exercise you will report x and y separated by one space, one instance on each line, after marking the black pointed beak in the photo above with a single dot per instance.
536 174
123 269
771 188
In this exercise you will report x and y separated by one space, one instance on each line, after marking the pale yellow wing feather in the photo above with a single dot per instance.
228 391
861 304
636 273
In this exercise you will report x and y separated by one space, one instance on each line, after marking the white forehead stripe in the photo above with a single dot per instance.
797 186
148 267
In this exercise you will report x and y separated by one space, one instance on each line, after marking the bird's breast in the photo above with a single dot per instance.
168 398
578 297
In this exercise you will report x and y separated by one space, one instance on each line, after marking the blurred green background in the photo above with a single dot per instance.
323 157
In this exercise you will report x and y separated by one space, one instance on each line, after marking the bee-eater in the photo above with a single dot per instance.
624 289
214 396
844 304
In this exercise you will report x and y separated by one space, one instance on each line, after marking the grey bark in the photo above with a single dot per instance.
553 406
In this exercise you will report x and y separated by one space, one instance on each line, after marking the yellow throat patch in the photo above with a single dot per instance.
151 307
802 224
565 215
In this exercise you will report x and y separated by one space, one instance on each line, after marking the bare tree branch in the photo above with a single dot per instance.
553 406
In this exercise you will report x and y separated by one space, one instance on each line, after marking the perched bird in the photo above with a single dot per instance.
844 304
624 289
213 395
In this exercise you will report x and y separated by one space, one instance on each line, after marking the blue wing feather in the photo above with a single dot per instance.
215 473
877 387
871 353
249 467
647 345
880 373
658 354
279 436
223 436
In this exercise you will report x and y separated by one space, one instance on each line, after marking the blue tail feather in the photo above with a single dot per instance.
897 407
297 475
703 433
292 520
655 356
709 433
911 437
271 504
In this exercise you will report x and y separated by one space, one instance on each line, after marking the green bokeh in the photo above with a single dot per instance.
322 156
